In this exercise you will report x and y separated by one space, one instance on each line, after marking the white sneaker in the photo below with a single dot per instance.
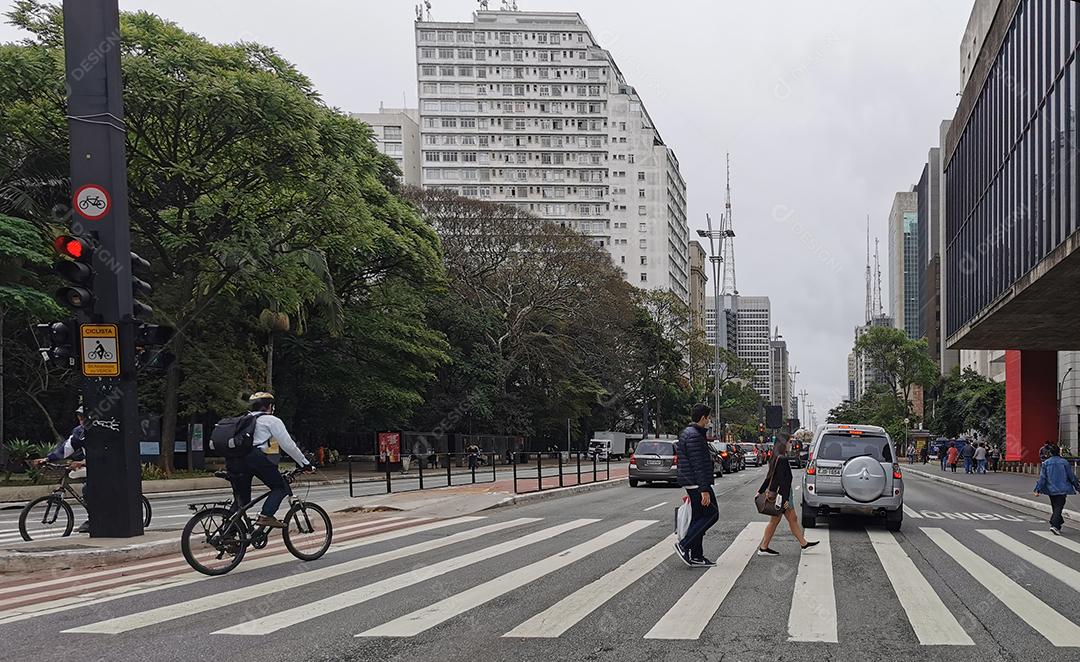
1055 530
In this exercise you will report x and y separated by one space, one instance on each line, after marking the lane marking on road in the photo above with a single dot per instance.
1061 540
912 513
16 595
424 619
813 604
225 598
1042 618
688 618
569 611
659 505
76 602
1046 563
932 621
362 594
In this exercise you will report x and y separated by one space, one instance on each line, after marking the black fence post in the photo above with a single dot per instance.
494 475
350 478
579 467
388 488
449 462
560 469
421 474
514 458
472 466
607 470
594 468
539 472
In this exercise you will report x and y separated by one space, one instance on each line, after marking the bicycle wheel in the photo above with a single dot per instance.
46 517
210 545
146 511
308 531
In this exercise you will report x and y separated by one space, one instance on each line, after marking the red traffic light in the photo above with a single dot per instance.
74 247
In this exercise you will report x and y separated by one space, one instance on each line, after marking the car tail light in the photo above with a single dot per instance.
675 459
723 453
896 472
632 460
811 470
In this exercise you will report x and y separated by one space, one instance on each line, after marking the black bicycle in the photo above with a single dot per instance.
50 516
216 538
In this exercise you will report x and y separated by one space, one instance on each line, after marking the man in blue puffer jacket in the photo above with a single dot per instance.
696 477
1056 480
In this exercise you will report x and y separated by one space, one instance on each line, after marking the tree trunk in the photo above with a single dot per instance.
171 405
270 361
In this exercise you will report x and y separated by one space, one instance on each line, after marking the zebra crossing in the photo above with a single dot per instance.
474 542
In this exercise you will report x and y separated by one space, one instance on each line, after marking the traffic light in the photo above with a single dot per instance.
150 352
760 428
56 343
139 287
76 256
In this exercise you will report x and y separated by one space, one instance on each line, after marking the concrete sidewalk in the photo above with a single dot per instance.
437 503
1009 487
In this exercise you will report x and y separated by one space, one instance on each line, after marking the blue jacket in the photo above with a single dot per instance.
695 458
1057 477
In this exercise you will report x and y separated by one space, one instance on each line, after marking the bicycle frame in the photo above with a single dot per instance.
240 514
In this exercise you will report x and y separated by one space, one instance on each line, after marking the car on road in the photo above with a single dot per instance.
853 470
751 454
728 456
654 461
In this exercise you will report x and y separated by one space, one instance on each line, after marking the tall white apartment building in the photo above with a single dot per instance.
525 108
754 339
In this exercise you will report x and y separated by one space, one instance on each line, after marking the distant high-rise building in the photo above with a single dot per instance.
397 134
526 108
905 271
780 375
753 343
698 280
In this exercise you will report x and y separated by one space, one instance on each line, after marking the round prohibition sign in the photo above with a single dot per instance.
92 202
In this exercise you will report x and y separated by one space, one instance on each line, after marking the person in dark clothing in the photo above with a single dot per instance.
696 477
779 480
1046 451
1057 480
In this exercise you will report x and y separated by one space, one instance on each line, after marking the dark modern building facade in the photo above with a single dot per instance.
1012 183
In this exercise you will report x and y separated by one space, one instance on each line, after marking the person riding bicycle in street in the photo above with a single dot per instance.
72 448
270 437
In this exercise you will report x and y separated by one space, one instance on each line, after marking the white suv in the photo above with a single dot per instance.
853 469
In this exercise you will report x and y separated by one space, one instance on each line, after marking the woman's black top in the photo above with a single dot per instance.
781 481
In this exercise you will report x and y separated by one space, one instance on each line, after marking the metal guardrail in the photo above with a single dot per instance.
443 474
595 470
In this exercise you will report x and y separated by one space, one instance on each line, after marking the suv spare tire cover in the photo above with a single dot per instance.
863 479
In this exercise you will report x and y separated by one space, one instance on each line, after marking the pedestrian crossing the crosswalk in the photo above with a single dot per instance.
605 560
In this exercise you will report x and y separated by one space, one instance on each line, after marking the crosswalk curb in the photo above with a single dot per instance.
1002 496
32 560
530 497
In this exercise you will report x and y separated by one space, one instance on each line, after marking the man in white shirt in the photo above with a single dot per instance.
269 439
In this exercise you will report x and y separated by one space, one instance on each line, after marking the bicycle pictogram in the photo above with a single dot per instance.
95 201
99 353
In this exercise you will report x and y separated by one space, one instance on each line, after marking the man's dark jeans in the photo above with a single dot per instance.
257 463
702 519
1057 503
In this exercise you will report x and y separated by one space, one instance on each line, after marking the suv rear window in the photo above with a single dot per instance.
747 448
845 447
655 448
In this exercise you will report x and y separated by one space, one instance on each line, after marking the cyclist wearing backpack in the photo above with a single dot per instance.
260 437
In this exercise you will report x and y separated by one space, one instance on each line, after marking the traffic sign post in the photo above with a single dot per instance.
100 212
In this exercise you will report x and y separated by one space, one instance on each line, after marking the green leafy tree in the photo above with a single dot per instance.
901 362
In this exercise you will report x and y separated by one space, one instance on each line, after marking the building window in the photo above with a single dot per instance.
641 176
392 133
641 193
427 70
644 277
641 212
644 260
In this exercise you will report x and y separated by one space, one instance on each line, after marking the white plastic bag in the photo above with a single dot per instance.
683 515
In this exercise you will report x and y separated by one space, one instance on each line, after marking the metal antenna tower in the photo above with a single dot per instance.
878 306
727 228
869 290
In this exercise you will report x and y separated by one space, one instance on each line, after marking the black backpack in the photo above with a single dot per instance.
234 437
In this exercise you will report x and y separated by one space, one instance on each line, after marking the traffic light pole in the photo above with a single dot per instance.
100 211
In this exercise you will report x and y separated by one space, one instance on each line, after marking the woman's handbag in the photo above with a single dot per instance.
769 502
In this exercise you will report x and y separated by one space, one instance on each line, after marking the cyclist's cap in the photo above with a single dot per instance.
79 411
261 395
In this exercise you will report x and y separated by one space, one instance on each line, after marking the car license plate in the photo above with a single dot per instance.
829 471
653 463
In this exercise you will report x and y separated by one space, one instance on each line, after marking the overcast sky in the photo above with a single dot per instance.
827 108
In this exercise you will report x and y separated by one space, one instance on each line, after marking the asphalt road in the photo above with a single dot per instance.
592 577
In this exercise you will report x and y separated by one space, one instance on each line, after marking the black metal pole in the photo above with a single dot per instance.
560 469
494 475
350 477
449 461
514 458
539 472
97 137
594 468
579 467
388 488
421 474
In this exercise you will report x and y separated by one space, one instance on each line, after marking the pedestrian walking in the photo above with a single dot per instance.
995 457
943 454
696 477
980 458
911 454
952 456
925 453
1056 480
968 453
778 481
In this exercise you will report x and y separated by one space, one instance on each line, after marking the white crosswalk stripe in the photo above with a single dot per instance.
1045 620
1051 565
569 611
688 618
360 595
428 617
1059 540
64 604
813 604
226 598
932 621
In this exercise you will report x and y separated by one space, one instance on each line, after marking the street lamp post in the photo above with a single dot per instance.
716 237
